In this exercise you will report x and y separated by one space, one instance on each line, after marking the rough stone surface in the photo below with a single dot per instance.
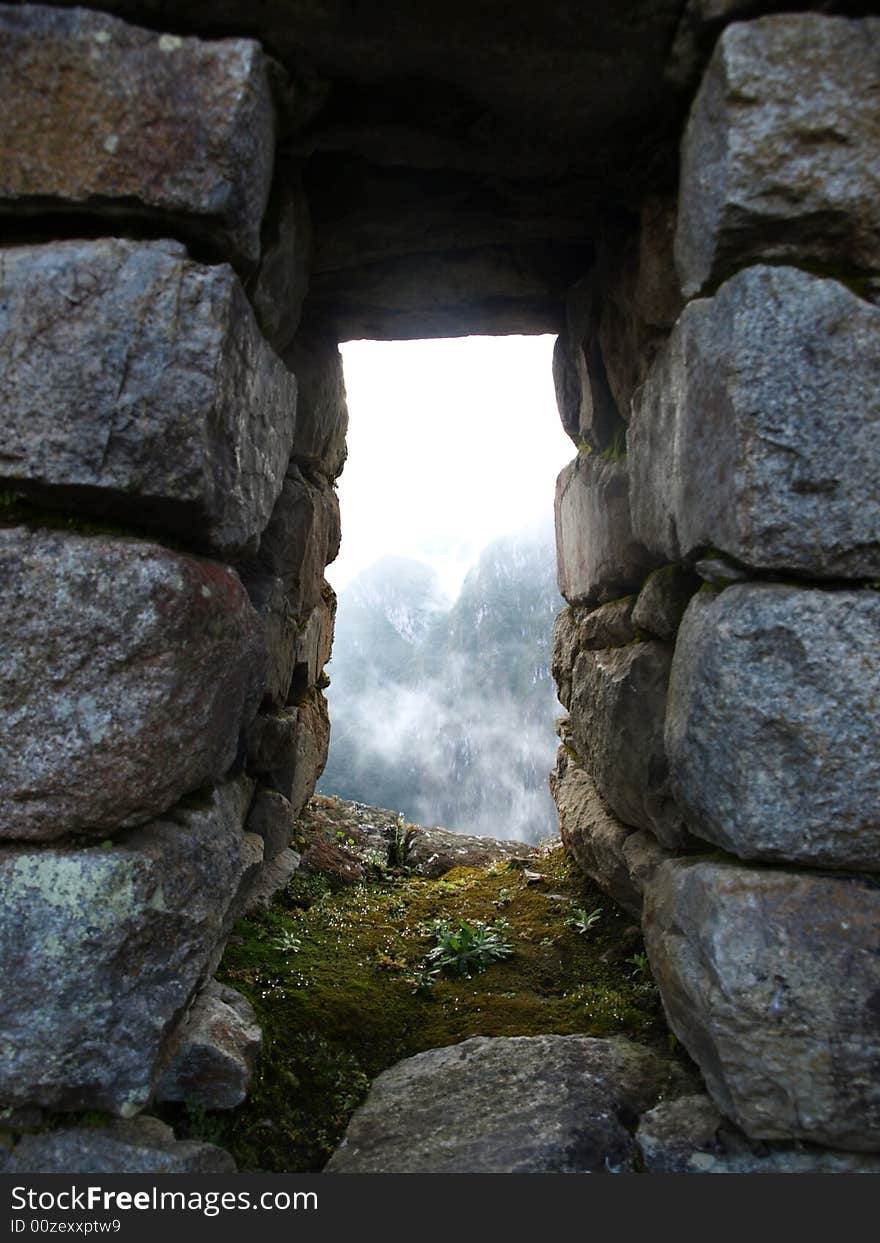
780 156
314 643
101 950
145 658
598 557
616 318
772 720
218 1044
273 877
278 637
322 412
283 279
690 1136
618 709
756 433
584 629
662 601
111 118
433 852
586 404
289 748
135 1146
302 538
640 299
592 836
272 819
770 978
515 1105
136 384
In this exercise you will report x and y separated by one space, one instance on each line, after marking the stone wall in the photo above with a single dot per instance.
197 203
720 655
173 428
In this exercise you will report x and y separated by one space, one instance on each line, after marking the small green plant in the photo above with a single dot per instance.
642 966
288 943
584 921
399 845
468 948
345 839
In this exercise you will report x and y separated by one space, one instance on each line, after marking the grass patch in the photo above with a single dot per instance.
331 973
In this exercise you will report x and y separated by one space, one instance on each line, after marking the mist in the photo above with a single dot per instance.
444 710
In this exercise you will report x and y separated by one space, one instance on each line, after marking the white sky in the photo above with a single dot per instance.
450 444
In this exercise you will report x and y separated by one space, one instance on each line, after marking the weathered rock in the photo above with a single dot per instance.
433 852
771 725
137 385
642 855
640 299
598 557
289 748
144 658
272 818
770 979
314 643
274 876
586 404
780 155
516 1105
283 279
101 950
269 740
564 653
585 629
690 1136
217 1047
756 431
662 601
278 638
720 571
302 538
610 625
112 118
135 1146
616 318
618 710
592 836
485 289
322 412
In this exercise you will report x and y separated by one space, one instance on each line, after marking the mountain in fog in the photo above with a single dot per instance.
443 711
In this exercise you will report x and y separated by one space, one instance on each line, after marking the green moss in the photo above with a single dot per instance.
342 1006
616 451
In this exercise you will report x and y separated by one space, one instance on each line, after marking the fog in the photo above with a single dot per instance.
441 700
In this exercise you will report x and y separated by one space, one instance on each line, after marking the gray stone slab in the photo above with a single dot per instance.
124 673
514 1105
771 729
102 947
110 118
769 978
598 557
136 385
136 1146
618 712
781 155
756 432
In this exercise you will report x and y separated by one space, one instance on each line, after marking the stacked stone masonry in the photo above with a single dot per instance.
727 701
168 509
188 227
